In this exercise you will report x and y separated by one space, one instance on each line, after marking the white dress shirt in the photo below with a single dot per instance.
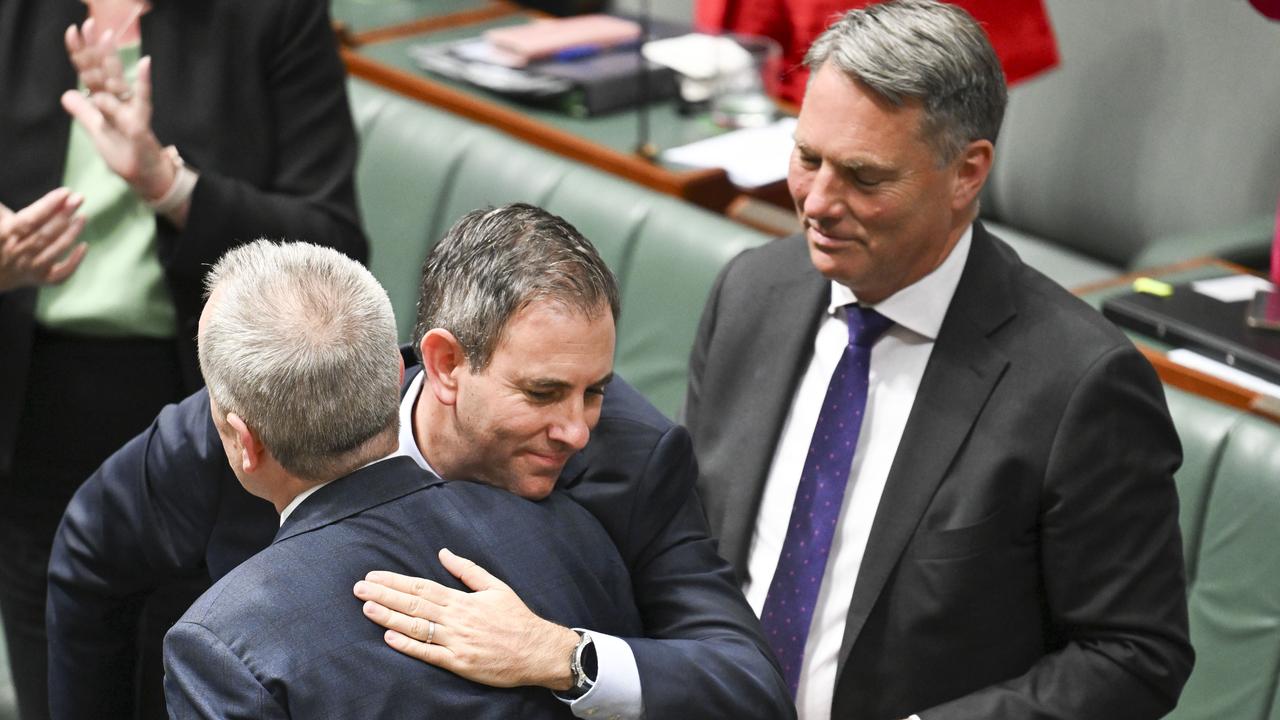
898 361
616 694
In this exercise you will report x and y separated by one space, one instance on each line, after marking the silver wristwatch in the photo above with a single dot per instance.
582 666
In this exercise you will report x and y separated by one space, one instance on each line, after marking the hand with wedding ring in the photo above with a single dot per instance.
487 636
37 243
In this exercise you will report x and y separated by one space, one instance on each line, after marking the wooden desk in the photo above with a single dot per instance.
1171 373
606 142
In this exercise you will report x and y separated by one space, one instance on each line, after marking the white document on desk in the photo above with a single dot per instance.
1208 366
1232 288
752 156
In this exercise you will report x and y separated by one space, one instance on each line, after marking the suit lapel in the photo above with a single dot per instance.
963 369
365 488
780 353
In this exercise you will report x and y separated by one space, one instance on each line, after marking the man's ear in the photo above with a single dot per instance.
971 168
252 451
444 362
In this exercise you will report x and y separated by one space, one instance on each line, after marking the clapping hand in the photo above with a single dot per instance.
117 116
34 241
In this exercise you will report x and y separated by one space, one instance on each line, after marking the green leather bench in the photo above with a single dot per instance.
1229 486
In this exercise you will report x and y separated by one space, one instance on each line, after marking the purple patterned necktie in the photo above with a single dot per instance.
788 608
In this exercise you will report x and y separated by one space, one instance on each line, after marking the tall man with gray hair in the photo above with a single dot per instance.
944 482
297 344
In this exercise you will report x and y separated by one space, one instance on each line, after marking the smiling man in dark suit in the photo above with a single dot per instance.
944 482
298 346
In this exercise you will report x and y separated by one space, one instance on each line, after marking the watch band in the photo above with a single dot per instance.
582 666
184 183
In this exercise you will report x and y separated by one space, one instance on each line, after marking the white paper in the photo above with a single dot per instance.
698 56
1208 366
1232 288
752 156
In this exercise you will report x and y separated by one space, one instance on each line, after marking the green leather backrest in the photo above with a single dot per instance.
422 168
1203 426
408 154
666 254
1235 600
677 257
1229 487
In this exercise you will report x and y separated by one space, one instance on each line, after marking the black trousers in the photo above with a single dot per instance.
85 398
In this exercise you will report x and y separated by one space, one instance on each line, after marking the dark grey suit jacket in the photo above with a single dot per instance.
281 636
1025 560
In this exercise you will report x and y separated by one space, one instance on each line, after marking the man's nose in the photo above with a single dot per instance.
571 427
823 200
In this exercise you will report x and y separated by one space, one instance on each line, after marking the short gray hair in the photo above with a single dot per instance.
494 262
300 341
931 51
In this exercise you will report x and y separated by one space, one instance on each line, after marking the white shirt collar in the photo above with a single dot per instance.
921 306
408 443
297 500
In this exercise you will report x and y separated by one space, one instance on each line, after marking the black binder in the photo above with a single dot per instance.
1201 323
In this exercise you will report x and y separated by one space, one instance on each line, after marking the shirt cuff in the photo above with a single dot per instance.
616 693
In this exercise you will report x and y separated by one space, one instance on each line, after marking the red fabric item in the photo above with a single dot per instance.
1019 31
1270 8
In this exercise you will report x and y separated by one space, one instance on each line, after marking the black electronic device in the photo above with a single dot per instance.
1201 323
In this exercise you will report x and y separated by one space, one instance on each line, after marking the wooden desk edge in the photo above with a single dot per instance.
492 11
709 188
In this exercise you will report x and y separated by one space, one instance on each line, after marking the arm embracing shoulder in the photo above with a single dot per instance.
704 654
144 519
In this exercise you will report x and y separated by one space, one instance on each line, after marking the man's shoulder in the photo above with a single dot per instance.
784 258
1050 321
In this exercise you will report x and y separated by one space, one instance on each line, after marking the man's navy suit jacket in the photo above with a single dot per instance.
281 636
166 507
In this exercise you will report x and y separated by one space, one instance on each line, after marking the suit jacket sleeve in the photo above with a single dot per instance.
1111 554
704 648
144 519
310 194
204 680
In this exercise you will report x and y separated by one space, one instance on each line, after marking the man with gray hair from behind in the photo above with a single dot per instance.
298 346
945 483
